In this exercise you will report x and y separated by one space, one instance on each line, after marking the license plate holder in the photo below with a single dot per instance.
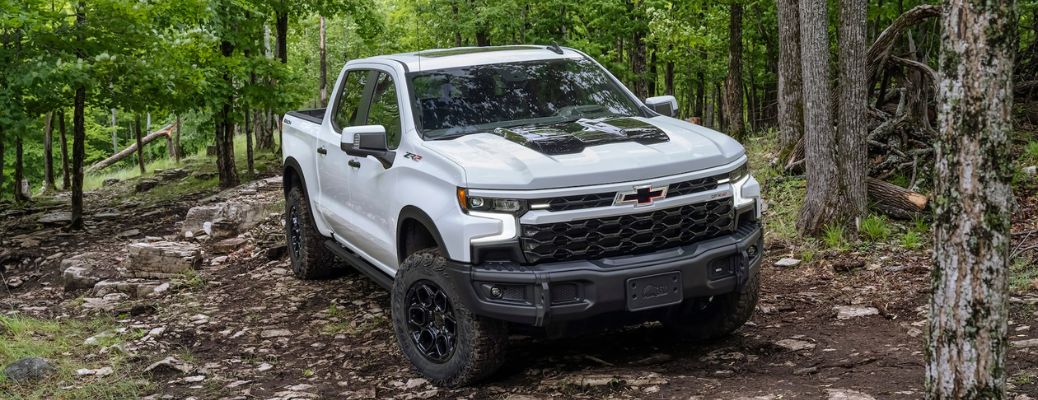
652 291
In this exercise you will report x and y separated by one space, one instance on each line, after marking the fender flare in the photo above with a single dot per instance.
292 165
410 212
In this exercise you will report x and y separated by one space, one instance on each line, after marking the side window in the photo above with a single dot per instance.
384 109
348 106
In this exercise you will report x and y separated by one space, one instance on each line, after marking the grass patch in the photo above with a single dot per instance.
911 240
61 342
875 228
835 237
1023 273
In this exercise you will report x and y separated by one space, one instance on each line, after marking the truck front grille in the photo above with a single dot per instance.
627 234
581 201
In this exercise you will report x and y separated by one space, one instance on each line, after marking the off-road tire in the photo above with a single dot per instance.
310 259
480 343
717 317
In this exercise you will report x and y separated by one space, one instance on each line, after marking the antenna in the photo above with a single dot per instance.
555 48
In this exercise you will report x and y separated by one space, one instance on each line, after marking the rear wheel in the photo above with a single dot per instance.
310 259
717 316
443 340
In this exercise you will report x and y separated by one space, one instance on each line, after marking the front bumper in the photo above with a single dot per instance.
545 294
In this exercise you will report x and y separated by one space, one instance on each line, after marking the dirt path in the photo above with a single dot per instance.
250 330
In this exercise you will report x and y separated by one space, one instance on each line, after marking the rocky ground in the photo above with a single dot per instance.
203 305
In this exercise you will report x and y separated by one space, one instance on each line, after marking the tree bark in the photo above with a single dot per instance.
281 26
733 107
880 48
852 124
140 145
78 135
895 201
821 205
225 130
176 140
323 80
966 351
2 149
457 31
668 78
48 153
248 144
65 178
790 84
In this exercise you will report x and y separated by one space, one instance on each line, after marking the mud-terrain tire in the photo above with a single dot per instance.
419 293
310 259
714 318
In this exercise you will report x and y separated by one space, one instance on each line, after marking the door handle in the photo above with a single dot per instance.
353 163
322 150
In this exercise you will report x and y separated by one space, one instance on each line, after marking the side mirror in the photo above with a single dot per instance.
367 140
663 105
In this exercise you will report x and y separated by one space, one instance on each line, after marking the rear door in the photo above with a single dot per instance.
333 169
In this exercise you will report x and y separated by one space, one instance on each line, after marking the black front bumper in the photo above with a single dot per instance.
544 294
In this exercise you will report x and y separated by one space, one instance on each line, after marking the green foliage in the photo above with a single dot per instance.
874 228
835 237
1023 274
911 240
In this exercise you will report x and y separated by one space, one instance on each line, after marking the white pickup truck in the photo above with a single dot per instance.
519 189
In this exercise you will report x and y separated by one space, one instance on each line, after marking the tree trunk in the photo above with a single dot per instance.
650 82
65 178
852 124
78 136
48 153
248 144
281 42
2 149
323 80
140 145
176 140
719 120
966 351
668 78
19 171
895 201
733 109
225 131
115 134
790 84
821 205
131 149
457 31
701 88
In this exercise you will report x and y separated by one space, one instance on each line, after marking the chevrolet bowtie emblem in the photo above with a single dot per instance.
641 195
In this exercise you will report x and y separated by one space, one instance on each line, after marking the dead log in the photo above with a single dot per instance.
880 49
923 68
165 131
895 201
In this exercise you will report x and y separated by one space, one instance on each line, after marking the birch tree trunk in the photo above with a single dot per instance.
966 351
790 84
733 83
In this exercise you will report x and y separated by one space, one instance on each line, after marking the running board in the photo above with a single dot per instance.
359 264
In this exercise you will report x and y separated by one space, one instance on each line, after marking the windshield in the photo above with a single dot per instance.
479 98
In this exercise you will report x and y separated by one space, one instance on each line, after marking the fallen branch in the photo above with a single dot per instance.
165 131
880 49
925 69
894 200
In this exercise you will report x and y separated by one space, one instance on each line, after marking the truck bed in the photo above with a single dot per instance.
315 115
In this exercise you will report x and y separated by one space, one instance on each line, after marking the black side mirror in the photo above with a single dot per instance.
367 140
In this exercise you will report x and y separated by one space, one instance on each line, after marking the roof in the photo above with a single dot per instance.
464 56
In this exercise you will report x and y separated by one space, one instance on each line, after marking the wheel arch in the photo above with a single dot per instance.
416 231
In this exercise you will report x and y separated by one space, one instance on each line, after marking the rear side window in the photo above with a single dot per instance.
384 109
347 110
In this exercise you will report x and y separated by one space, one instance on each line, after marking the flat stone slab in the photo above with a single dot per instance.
56 218
848 312
84 270
134 287
795 344
787 262
162 259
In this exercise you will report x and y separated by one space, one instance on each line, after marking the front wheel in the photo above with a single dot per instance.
443 340
717 316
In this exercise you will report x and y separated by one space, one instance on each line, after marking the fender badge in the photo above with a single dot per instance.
413 156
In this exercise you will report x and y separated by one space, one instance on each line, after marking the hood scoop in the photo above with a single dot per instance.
574 137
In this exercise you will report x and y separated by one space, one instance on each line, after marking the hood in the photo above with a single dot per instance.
586 152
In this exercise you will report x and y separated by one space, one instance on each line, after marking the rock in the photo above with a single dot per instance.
193 379
241 214
1031 170
29 369
84 270
228 246
795 344
97 303
160 289
172 174
14 282
847 394
169 365
1024 343
128 233
848 312
222 228
414 383
264 367
56 218
145 185
805 371
134 287
273 333
162 259
100 372
110 182
787 262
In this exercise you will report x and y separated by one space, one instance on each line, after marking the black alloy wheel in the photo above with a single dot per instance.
430 321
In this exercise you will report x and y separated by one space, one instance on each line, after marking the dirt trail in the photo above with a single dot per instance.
251 330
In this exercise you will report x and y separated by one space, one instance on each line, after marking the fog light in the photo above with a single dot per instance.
495 292
751 251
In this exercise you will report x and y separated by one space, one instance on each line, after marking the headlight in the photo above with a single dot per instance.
738 173
488 204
